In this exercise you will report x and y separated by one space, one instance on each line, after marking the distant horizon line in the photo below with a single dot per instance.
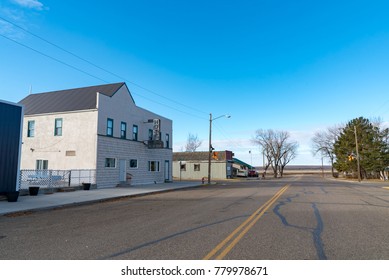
300 166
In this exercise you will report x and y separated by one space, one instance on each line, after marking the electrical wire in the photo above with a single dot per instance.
94 76
53 58
383 108
178 110
111 73
98 67
223 133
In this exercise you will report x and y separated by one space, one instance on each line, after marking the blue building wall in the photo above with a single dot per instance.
11 117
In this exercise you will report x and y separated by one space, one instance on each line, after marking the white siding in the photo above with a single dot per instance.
78 139
121 108
119 149
84 144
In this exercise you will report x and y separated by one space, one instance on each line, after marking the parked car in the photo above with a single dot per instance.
253 173
241 173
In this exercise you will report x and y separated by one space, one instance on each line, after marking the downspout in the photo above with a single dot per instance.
96 136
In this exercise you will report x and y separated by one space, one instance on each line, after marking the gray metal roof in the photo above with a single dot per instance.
67 100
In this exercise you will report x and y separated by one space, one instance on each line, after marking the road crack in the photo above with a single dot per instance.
315 232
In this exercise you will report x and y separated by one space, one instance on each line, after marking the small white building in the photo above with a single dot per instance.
194 165
98 128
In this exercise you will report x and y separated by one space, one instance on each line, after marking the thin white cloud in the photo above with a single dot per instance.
19 13
5 27
9 30
31 4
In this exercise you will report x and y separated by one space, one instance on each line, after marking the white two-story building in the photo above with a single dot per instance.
98 128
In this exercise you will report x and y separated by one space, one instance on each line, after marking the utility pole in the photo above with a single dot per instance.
263 158
180 169
210 148
210 143
356 147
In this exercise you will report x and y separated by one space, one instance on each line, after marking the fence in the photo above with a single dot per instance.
79 176
56 178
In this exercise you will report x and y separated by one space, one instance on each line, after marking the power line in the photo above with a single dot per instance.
234 142
91 75
107 71
381 108
53 58
178 110
99 67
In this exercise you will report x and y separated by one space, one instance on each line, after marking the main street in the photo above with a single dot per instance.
296 217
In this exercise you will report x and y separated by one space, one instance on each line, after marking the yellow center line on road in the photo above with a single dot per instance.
243 228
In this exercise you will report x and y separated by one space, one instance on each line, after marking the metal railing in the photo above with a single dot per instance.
79 176
56 178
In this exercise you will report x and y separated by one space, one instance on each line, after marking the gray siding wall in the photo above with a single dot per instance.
121 149
10 141
121 108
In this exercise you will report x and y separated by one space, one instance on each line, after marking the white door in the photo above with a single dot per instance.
122 170
167 170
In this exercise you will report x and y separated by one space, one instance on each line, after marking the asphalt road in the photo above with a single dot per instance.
301 217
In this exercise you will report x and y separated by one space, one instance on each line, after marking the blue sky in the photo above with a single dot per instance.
299 66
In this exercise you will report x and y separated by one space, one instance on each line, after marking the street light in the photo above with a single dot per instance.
210 143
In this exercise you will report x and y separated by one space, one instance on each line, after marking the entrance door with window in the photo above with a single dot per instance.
122 170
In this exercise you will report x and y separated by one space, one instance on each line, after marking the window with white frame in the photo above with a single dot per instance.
197 167
58 127
42 164
110 162
154 166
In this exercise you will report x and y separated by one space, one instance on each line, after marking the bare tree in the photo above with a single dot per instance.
277 149
267 154
323 143
289 153
192 143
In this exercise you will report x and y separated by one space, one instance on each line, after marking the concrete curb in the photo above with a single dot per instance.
19 211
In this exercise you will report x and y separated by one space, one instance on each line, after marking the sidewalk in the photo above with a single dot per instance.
58 199
371 182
